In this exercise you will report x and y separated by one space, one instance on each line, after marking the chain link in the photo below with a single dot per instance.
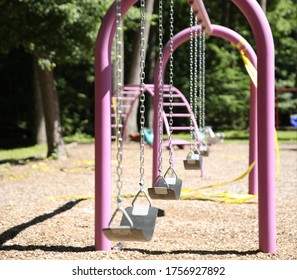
191 76
142 92
203 79
119 126
200 77
195 77
171 83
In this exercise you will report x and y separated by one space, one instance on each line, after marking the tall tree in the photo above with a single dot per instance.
39 123
54 32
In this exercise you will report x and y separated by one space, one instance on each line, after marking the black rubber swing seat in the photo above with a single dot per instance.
166 188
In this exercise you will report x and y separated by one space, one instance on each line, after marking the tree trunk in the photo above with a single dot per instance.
134 74
51 107
264 5
39 123
225 20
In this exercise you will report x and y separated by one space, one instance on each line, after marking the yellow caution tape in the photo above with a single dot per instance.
222 183
196 194
241 43
222 197
250 68
252 71
247 63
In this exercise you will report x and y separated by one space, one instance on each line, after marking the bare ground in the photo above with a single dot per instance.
47 209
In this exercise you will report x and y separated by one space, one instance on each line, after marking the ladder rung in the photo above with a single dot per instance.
115 125
136 87
176 104
130 92
174 95
127 98
181 128
179 115
123 105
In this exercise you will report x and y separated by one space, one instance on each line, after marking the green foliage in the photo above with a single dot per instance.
283 21
284 27
54 31
287 106
61 33
75 87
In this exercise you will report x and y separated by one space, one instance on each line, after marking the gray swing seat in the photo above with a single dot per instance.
204 150
137 223
166 188
193 161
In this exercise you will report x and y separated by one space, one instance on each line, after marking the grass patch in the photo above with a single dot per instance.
236 135
287 136
243 135
20 154
79 138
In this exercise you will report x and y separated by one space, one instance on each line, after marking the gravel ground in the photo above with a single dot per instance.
47 208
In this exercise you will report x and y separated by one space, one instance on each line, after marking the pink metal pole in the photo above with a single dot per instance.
253 143
266 122
235 38
103 91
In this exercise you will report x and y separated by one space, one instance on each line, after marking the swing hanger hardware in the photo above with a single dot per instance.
193 160
167 187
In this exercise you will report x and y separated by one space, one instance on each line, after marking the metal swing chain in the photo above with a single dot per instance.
195 77
142 93
171 84
191 76
119 125
200 78
160 85
203 79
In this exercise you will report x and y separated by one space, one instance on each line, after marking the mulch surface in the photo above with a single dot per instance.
47 208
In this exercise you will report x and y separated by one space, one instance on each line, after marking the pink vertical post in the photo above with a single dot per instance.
103 90
103 132
266 122
253 143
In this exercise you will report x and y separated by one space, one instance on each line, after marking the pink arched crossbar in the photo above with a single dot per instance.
242 44
263 107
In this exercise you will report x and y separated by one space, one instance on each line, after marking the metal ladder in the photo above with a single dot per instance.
131 94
